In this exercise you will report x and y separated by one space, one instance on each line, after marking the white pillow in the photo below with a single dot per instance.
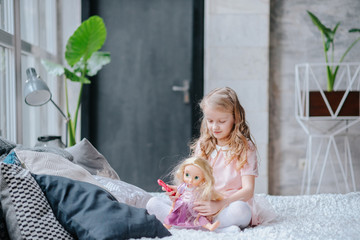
125 192
53 164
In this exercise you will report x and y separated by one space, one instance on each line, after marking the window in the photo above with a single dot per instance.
28 33
7 86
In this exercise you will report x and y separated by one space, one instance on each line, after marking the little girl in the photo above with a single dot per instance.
195 182
225 141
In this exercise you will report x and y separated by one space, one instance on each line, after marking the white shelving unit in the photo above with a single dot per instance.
326 133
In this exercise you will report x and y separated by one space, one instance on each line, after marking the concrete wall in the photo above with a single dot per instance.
252 47
237 56
294 39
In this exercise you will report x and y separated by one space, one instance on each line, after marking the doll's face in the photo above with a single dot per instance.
193 176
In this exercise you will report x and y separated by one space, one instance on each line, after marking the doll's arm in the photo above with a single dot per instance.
173 204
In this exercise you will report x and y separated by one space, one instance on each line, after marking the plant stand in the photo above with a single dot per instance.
325 131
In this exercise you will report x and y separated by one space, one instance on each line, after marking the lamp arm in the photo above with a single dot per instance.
67 121
62 113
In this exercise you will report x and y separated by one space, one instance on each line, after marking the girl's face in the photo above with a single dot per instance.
219 124
193 176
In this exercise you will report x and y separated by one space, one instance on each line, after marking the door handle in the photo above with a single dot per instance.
185 89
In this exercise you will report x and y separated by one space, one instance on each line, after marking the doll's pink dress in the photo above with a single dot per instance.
183 214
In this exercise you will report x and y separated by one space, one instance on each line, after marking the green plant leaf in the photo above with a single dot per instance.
318 23
328 33
94 64
78 67
331 33
53 68
97 61
87 39
327 45
75 78
354 30
335 28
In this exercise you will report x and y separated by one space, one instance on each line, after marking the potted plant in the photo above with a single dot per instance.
84 59
317 104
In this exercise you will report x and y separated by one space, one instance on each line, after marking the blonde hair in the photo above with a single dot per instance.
225 100
206 190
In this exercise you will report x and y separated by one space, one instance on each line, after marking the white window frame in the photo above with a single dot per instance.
15 48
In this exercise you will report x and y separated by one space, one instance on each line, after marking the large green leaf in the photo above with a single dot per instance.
53 68
97 61
94 64
318 23
75 78
328 33
87 39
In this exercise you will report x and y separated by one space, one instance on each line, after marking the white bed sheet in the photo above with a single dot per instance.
322 216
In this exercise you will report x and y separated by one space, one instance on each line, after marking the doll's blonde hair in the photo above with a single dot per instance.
225 100
206 190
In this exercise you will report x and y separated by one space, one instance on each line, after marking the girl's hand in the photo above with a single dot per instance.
209 208
173 194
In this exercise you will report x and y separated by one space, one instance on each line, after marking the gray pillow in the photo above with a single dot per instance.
58 151
53 164
3 230
86 155
8 210
6 146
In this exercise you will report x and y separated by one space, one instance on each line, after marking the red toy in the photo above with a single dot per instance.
166 187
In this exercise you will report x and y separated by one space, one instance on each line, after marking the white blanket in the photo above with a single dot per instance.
323 216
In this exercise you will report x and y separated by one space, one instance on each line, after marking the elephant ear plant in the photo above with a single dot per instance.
84 59
328 35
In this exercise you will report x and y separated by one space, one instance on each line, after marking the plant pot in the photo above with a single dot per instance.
317 106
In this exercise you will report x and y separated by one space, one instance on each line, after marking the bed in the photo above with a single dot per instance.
322 216
49 193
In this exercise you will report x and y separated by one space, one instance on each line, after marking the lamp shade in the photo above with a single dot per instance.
36 92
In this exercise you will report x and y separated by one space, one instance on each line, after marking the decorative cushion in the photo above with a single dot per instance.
5 147
11 158
86 155
8 209
53 164
3 230
88 212
33 215
50 149
125 192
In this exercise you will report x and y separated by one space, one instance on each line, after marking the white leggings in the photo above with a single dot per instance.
238 213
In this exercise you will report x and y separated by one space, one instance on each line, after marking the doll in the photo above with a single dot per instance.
195 182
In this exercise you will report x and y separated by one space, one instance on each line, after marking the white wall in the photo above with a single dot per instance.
237 56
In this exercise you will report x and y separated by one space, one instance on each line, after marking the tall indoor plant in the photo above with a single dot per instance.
84 61
328 35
